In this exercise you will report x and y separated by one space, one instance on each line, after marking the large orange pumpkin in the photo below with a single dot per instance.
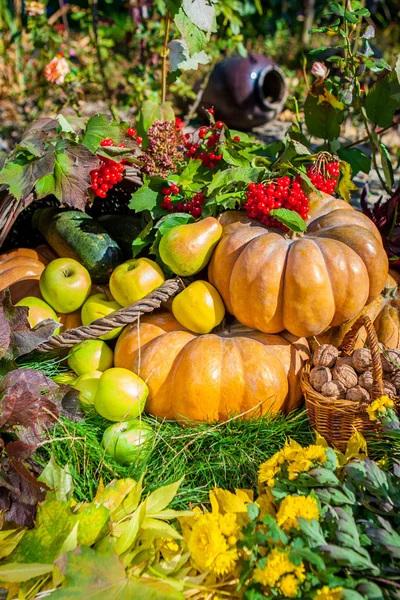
20 270
210 377
273 281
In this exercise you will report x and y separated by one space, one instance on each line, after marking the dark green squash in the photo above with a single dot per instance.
74 234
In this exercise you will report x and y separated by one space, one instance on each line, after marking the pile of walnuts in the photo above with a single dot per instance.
350 377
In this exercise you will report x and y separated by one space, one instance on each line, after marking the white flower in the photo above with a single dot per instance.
56 70
34 9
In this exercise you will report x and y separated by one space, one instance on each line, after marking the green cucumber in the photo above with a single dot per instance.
123 229
74 234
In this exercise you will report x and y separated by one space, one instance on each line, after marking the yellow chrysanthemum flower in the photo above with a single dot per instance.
168 547
225 562
301 465
294 507
228 524
289 586
326 593
277 565
269 469
315 453
378 407
297 458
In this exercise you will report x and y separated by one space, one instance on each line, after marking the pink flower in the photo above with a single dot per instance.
56 70
34 9
319 70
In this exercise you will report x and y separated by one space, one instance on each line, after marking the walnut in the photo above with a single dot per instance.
325 356
389 389
346 375
390 360
366 380
344 360
395 379
362 359
333 389
357 394
319 376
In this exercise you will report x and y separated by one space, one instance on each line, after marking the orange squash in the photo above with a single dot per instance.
273 281
210 377
70 320
20 270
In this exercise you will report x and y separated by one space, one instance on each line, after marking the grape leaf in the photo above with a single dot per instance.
97 575
346 184
180 59
290 218
143 199
21 173
322 118
70 179
35 136
100 127
200 12
195 38
16 336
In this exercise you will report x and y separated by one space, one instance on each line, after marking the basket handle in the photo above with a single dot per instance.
348 347
120 318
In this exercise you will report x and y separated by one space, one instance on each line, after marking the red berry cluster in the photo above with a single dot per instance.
108 174
325 179
283 192
192 206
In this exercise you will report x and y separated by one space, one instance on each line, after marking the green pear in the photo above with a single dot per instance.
186 249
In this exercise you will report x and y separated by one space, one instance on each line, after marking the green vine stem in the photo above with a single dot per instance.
164 56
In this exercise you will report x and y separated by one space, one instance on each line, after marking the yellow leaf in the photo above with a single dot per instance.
18 572
320 440
161 528
159 499
12 538
131 530
114 493
130 503
356 447
229 502
331 99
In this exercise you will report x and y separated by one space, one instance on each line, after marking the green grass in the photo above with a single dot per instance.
225 455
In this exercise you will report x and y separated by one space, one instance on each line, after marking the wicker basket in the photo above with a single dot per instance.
336 420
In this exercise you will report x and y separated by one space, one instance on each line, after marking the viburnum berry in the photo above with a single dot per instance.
324 175
107 142
202 132
219 125
236 138
131 132
139 140
107 175
174 189
211 111
283 192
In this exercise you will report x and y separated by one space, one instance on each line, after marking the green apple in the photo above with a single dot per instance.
97 307
65 284
134 279
129 441
39 310
90 355
120 395
87 385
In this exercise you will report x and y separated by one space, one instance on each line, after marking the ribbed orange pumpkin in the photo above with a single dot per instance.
20 270
210 377
272 281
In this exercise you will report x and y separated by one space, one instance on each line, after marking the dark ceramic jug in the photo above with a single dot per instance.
246 92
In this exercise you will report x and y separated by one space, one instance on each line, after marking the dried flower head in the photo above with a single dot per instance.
56 70
34 9
165 150
319 70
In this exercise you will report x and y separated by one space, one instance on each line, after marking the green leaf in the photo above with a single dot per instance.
160 528
91 520
180 58
357 160
232 157
313 531
322 119
17 572
195 38
235 175
70 180
100 127
289 218
160 498
201 13
253 511
22 173
380 106
58 479
96 575
346 184
65 125
189 172
143 199
173 220
349 558
386 165
131 530
143 239
54 522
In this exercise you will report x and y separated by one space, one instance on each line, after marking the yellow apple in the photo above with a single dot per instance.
65 284
39 310
87 385
90 355
97 307
199 307
120 395
134 279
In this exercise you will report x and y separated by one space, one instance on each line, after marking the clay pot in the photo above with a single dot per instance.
246 92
